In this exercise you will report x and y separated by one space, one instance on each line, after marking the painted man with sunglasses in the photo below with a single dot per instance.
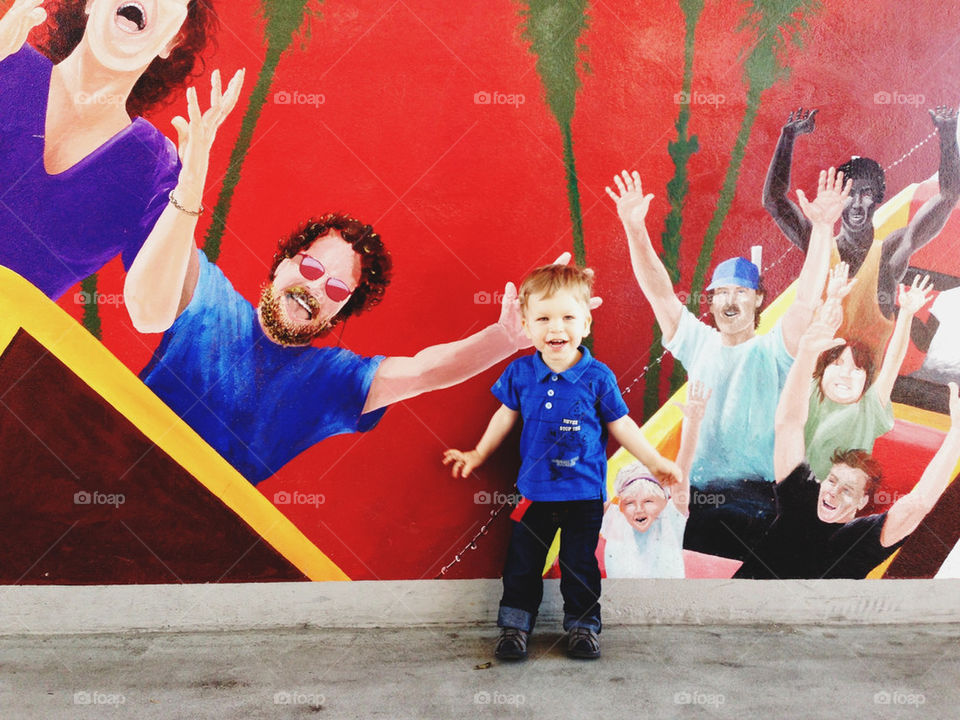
239 374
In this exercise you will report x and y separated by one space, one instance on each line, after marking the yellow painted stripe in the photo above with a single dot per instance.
23 305
918 416
880 570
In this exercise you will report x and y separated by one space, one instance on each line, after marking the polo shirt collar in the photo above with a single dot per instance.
572 374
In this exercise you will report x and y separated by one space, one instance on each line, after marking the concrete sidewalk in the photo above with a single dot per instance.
449 672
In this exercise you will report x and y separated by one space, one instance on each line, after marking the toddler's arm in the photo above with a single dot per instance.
499 427
626 432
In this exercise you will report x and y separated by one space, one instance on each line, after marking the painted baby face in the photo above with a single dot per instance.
641 509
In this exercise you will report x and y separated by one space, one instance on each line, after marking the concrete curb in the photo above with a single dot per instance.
44 610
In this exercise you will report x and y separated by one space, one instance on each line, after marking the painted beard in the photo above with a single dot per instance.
282 330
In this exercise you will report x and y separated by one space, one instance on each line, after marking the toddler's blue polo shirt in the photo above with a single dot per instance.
565 416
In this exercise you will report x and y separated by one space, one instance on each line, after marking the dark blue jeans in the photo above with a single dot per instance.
579 525
729 517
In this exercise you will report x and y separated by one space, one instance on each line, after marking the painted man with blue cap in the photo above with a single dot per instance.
731 480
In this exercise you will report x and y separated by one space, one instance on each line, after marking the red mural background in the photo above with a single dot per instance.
468 196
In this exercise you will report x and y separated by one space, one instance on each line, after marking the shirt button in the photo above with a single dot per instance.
549 405
550 393
553 377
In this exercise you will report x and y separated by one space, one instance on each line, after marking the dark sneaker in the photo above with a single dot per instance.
583 643
512 644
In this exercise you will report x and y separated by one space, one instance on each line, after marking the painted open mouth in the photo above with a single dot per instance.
306 305
131 17
731 312
828 506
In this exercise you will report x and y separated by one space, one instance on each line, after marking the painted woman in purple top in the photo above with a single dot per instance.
80 181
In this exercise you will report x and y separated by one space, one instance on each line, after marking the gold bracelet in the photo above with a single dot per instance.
181 208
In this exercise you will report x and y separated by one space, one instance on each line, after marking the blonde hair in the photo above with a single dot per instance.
636 479
549 279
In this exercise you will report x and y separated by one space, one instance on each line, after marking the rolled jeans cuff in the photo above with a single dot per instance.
509 617
572 621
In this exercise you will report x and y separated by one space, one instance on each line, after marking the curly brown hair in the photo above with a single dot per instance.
376 265
67 22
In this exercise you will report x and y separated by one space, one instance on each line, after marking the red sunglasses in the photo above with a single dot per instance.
312 269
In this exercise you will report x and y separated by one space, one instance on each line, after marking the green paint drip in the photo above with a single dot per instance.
573 196
91 308
774 23
553 28
282 20
651 393
680 151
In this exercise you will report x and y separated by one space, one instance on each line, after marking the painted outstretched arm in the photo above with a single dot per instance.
909 511
626 432
163 276
788 216
448 364
693 411
911 300
793 408
934 213
497 430
652 276
822 214
16 24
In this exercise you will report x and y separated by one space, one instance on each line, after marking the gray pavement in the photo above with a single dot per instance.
868 672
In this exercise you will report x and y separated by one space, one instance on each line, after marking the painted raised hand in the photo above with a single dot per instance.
22 17
912 298
832 194
632 204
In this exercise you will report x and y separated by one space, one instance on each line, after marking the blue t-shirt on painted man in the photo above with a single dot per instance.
257 403
565 416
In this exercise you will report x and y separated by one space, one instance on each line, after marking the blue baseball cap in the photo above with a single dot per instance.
735 271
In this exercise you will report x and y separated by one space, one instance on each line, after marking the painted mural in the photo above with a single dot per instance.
302 290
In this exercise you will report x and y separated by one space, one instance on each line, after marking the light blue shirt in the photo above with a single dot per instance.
736 435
